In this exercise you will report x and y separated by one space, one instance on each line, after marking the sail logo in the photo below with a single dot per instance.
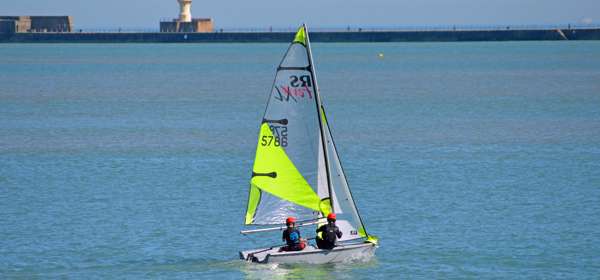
302 81
298 88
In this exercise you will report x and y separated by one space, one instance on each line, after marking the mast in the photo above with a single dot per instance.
313 75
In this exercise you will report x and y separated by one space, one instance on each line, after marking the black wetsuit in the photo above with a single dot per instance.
292 239
330 233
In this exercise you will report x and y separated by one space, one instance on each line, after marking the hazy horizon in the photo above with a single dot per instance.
336 13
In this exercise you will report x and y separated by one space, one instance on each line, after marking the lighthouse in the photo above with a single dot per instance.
185 10
185 23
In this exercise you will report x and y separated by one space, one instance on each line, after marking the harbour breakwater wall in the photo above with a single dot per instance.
273 37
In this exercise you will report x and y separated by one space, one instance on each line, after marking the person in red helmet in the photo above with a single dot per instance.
329 233
291 236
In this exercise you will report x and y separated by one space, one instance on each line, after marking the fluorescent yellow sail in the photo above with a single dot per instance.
253 200
325 206
300 36
275 173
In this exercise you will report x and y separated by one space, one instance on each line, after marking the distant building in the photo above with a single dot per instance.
196 25
16 24
185 22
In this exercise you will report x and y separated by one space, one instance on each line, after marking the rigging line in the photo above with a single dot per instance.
343 172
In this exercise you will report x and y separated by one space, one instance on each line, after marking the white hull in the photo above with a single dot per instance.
311 254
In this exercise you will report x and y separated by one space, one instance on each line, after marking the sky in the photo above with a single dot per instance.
316 13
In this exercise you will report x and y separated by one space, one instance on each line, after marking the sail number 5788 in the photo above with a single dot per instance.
279 137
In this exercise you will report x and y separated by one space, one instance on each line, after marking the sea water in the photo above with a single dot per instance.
467 160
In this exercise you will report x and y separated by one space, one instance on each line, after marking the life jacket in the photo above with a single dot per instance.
329 235
292 237
295 236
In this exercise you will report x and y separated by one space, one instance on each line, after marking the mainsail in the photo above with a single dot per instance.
297 171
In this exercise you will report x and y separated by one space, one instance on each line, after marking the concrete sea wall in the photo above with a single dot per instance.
343 36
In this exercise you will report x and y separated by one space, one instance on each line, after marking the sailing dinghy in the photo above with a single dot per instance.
297 171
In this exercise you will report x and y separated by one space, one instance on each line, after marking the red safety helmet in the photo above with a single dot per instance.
331 216
290 220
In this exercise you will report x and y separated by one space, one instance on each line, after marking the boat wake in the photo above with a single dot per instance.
339 270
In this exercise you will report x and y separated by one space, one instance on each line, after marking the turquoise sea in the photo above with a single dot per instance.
468 160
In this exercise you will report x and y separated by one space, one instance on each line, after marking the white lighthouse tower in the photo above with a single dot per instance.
185 7
185 22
